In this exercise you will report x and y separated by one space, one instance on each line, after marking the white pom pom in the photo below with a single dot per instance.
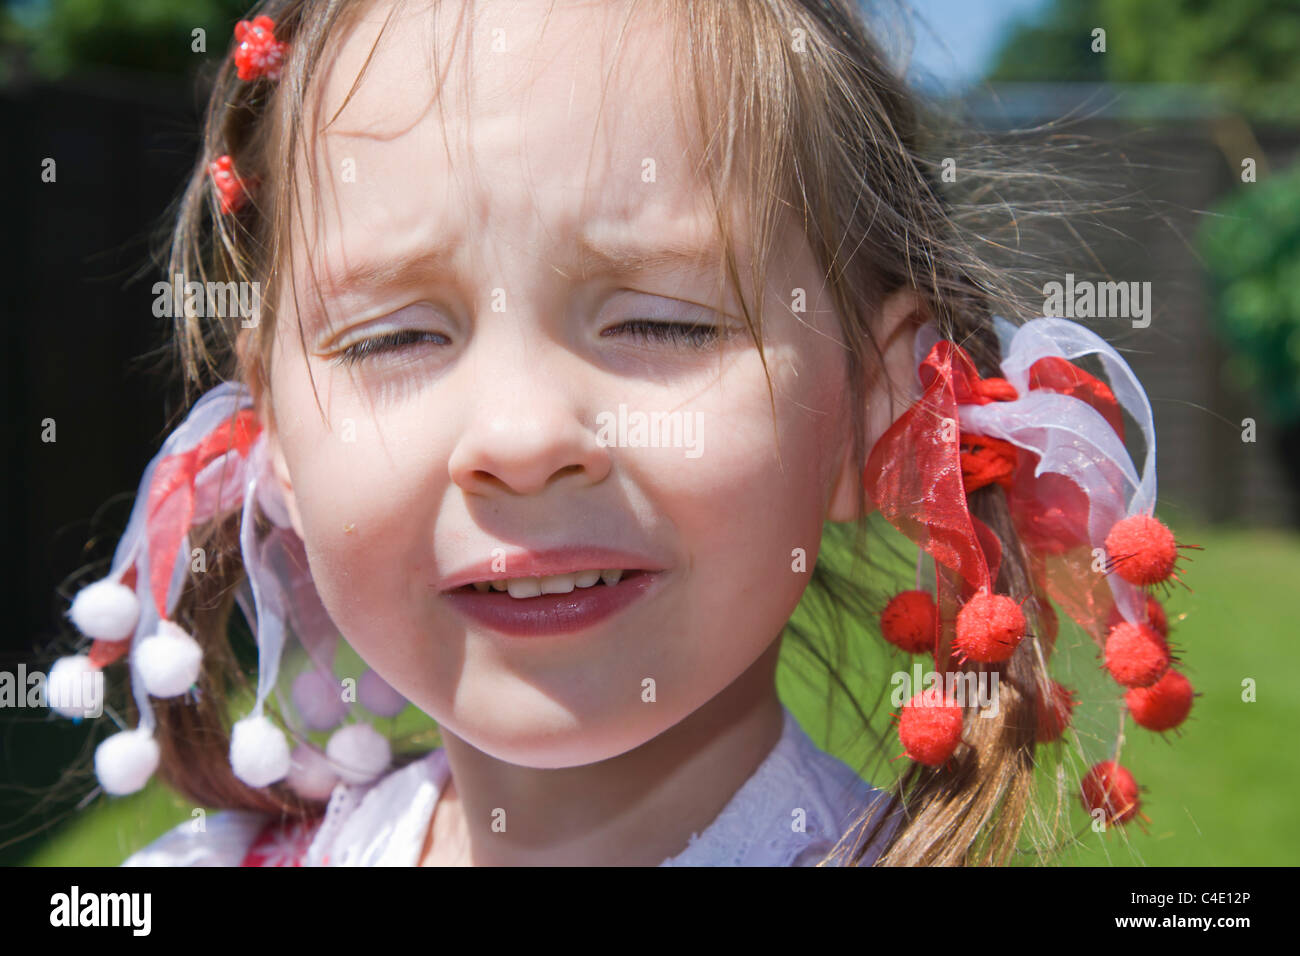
378 697
106 611
318 698
259 752
125 762
169 661
358 753
311 774
75 687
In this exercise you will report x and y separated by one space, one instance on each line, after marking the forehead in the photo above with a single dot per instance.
538 121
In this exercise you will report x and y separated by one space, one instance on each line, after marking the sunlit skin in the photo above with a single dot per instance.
481 433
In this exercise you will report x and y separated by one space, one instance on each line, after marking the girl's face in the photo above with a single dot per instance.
508 254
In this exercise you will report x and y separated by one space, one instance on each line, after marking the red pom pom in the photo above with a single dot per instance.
259 54
930 727
1112 789
1164 705
1157 620
989 627
1136 655
1142 550
1054 713
910 621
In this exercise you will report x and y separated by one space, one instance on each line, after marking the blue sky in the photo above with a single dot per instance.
955 38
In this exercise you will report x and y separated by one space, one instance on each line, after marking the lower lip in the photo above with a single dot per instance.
548 614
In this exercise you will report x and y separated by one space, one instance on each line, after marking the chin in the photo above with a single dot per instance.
552 737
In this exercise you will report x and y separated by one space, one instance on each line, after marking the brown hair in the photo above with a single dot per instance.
801 113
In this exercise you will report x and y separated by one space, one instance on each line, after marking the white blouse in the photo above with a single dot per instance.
384 823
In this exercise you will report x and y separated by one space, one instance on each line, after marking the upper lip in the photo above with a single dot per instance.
540 564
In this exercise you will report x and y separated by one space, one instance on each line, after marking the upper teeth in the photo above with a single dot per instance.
552 584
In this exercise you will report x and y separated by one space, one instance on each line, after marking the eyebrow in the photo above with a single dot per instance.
617 256
611 256
391 270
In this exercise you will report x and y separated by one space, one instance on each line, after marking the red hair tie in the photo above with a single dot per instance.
258 54
233 191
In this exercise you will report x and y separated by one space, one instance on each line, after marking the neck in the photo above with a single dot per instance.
635 809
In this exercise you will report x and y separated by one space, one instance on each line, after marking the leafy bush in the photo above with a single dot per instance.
1252 252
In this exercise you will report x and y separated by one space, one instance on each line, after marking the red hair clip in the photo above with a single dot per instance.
233 190
259 54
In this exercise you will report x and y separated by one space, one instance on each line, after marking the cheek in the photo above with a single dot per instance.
749 520
365 500
369 524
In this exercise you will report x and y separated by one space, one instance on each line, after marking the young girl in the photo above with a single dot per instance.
577 325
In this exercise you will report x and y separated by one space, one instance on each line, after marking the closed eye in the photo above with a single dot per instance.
379 344
691 335
683 334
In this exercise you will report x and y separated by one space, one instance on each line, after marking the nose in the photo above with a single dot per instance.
526 431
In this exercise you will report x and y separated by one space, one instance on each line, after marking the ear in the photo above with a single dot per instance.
901 315
266 415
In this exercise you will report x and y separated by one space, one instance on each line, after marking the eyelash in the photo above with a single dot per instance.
695 335
691 335
379 344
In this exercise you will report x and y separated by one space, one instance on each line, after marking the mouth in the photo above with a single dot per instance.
524 588
555 604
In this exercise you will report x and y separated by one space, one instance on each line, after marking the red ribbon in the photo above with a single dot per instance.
914 472
171 496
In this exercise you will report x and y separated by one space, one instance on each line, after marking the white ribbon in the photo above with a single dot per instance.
222 485
213 407
1069 340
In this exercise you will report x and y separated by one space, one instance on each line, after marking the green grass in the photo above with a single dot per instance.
1219 792
1221 789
